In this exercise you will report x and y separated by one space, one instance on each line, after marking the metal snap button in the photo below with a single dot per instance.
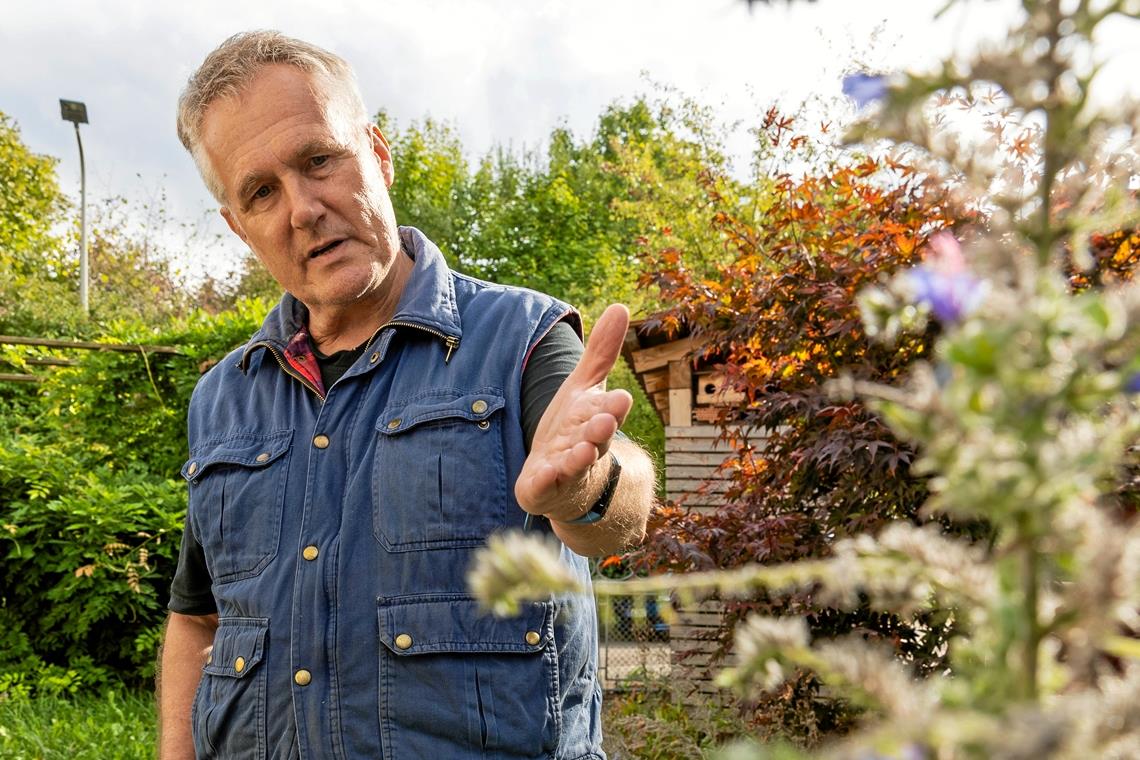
394 423
321 441
403 641
484 424
310 553
193 468
302 677
374 358
533 638
263 457
239 664
479 406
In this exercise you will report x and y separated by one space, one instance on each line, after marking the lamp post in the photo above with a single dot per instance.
76 113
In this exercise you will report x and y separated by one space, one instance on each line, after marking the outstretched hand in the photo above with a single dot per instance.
558 476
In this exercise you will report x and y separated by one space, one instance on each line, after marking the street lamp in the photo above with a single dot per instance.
76 113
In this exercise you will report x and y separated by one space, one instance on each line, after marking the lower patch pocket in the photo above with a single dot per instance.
229 707
456 682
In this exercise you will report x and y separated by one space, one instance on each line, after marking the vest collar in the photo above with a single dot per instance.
428 301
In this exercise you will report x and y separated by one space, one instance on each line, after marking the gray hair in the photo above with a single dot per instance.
234 64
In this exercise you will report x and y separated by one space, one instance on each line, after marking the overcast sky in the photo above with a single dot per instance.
502 71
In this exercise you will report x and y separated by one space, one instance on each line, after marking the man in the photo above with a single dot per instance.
344 464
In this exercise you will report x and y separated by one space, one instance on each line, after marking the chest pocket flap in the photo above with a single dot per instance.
472 407
253 451
455 623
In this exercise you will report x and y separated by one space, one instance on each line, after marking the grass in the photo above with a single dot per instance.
651 723
115 726
645 724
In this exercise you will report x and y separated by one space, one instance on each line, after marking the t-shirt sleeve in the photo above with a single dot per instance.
554 358
190 592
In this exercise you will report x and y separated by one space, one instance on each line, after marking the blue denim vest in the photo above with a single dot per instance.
338 532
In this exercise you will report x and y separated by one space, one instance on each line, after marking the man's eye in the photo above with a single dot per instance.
319 160
261 192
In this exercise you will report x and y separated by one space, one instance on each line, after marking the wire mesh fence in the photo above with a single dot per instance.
633 639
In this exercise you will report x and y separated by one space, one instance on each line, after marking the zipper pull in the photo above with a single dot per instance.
452 343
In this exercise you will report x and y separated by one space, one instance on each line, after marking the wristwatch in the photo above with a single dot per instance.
598 509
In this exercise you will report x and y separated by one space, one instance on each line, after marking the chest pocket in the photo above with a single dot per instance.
237 486
439 477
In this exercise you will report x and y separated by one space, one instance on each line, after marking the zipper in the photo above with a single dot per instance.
450 341
287 369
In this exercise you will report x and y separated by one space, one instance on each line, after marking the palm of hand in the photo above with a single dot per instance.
576 429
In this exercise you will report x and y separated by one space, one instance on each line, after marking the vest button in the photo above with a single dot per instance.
310 553
193 468
239 664
533 638
302 677
403 641
263 456
321 441
394 424
479 406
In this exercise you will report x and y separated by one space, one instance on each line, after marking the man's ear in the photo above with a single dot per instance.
233 224
383 154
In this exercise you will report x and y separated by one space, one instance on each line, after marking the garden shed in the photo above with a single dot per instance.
688 394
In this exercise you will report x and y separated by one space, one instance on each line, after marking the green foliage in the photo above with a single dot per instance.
91 506
431 178
34 270
115 724
565 221
30 202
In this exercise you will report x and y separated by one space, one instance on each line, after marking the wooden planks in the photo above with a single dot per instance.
694 644
711 391
646 359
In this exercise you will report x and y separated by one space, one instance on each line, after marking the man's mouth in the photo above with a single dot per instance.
324 249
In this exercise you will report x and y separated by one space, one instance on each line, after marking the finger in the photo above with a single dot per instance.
603 348
599 429
579 458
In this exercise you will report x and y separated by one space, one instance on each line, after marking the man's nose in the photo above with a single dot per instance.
305 205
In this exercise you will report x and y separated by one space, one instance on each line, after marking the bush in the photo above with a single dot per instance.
92 507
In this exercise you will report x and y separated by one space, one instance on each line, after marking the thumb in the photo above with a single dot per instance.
602 348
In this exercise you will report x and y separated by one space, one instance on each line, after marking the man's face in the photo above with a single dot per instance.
305 187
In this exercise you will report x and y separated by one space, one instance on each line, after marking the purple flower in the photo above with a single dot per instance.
943 282
950 295
1132 385
865 88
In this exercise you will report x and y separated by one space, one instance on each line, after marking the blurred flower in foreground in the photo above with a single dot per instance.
1133 384
518 567
943 283
865 89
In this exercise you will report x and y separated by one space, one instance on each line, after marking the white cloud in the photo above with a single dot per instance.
502 71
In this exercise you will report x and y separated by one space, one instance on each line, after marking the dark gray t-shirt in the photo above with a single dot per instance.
553 358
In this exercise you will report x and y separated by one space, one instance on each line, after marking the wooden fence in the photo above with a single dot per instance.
65 345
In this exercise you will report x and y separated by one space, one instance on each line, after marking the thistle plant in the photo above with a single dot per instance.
1025 418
